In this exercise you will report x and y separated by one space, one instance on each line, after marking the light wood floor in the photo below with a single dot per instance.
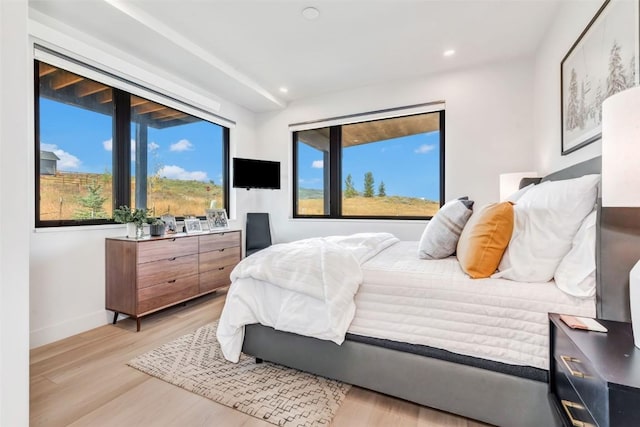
84 381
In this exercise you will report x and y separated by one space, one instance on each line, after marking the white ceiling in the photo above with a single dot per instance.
245 50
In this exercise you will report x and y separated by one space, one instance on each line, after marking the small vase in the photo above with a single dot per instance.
156 229
135 231
131 230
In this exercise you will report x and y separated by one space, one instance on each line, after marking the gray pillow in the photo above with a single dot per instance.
440 236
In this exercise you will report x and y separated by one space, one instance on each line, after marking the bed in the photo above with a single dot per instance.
407 355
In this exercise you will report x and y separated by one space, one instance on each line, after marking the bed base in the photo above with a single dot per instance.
476 393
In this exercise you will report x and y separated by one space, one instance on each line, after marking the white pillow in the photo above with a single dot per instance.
513 198
576 273
546 219
440 236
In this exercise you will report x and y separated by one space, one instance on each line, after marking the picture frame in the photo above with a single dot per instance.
217 219
602 62
192 226
170 225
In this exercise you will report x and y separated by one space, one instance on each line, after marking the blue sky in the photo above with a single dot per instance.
408 166
189 152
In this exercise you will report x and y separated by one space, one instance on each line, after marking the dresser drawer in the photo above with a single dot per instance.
217 278
166 248
212 242
215 259
167 293
583 378
152 273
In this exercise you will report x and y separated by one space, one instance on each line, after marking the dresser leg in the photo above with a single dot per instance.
138 324
258 360
115 317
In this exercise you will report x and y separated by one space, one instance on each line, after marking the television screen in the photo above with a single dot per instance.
252 173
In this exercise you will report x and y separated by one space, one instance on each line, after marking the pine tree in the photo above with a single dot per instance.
631 80
617 80
572 102
92 203
349 191
381 190
368 184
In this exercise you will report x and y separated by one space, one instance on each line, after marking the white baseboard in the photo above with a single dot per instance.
49 334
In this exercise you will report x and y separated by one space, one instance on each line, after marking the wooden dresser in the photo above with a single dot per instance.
147 275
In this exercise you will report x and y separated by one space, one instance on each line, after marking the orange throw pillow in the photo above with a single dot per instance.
484 239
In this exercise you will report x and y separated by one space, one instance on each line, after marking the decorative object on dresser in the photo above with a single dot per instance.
156 227
147 275
217 219
133 218
602 62
620 151
170 223
594 377
268 391
192 225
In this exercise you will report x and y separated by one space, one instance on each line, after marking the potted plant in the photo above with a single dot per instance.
134 218
156 226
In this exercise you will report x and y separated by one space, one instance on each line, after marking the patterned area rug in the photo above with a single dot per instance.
273 393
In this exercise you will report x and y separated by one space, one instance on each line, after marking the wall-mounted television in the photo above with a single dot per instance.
253 173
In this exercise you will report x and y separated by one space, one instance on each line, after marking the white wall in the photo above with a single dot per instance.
571 19
67 264
15 171
488 132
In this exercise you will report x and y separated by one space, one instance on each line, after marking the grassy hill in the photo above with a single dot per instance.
61 198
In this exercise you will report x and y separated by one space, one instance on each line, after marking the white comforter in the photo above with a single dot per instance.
306 287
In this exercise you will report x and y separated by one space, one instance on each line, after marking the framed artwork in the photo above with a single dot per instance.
170 225
192 225
602 62
217 218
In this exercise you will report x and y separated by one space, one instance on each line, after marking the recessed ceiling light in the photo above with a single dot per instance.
310 13
449 52
284 89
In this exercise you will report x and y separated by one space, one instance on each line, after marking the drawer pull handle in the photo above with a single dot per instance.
568 359
222 250
172 281
221 268
173 240
566 404
172 259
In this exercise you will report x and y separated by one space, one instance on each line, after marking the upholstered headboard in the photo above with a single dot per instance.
617 247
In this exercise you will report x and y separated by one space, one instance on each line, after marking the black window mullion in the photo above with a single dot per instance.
121 148
226 137
294 181
442 153
36 115
335 159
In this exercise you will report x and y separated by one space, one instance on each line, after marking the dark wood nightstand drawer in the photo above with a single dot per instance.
583 378
594 378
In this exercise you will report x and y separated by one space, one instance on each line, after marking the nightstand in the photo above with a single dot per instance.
594 377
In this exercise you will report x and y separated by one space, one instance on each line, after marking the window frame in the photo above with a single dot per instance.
121 153
335 172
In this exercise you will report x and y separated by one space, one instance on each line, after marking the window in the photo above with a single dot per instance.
387 168
99 147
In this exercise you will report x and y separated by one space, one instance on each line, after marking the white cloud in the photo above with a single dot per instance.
317 164
182 145
312 181
108 145
425 148
153 146
67 161
176 172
